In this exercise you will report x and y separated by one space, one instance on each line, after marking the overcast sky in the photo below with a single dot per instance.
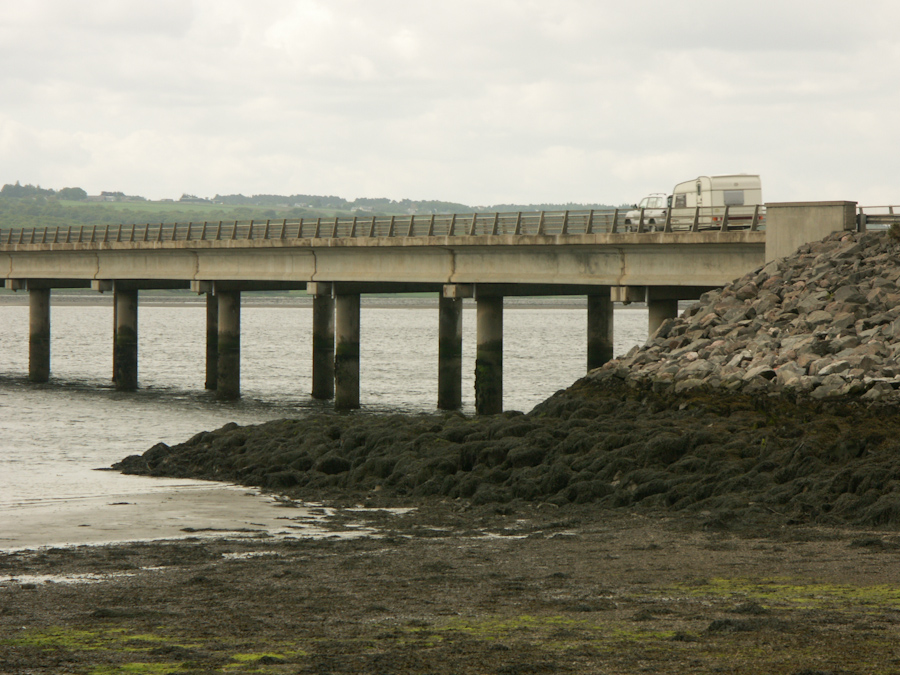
474 101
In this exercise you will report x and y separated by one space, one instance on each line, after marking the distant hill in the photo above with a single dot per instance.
382 205
33 206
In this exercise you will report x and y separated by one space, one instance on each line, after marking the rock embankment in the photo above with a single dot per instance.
824 322
678 425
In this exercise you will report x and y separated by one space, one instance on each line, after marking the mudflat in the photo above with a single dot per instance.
452 588
723 500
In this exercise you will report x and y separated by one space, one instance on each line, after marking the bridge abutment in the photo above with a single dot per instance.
489 355
39 335
346 351
229 345
125 348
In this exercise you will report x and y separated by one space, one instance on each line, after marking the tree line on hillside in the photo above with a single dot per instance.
377 205
27 206
19 191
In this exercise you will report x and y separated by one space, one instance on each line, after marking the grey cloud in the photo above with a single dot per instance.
476 101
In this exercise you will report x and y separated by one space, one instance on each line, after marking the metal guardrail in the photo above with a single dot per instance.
452 225
877 217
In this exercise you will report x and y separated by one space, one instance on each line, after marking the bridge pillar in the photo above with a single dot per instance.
346 351
212 341
659 310
229 345
489 356
450 353
599 329
323 366
125 349
39 335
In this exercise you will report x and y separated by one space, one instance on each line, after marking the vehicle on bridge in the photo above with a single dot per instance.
729 190
738 195
651 210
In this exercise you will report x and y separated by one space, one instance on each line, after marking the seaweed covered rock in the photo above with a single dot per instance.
734 457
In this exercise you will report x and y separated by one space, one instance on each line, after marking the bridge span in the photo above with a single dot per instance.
485 257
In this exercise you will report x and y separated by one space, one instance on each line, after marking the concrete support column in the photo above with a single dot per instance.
39 335
346 352
125 350
323 347
212 341
115 332
659 311
228 384
599 329
489 356
450 353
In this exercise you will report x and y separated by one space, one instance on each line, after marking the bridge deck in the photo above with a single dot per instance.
664 259
538 223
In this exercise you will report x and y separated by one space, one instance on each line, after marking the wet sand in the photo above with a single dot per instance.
169 512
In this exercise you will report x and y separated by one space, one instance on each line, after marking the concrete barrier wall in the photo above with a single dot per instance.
789 225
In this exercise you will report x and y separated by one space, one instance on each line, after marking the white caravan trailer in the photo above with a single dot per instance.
704 202
732 190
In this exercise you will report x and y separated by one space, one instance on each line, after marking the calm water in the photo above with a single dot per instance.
52 436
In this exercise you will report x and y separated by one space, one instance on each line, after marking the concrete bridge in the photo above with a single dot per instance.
485 257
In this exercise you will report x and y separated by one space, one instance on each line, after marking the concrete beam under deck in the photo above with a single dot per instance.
44 284
536 290
106 286
245 286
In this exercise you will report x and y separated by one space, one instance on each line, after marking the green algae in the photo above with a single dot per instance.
496 628
788 592
249 657
69 638
138 669
121 642
110 639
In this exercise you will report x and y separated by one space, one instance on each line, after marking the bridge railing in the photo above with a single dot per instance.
877 217
595 221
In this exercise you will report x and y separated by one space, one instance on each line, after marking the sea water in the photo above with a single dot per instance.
53 436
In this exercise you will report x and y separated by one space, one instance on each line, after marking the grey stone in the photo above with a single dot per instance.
834 367
763 371
687 385
819 317
849 294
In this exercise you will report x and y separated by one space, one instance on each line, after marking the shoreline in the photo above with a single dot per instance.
214 510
